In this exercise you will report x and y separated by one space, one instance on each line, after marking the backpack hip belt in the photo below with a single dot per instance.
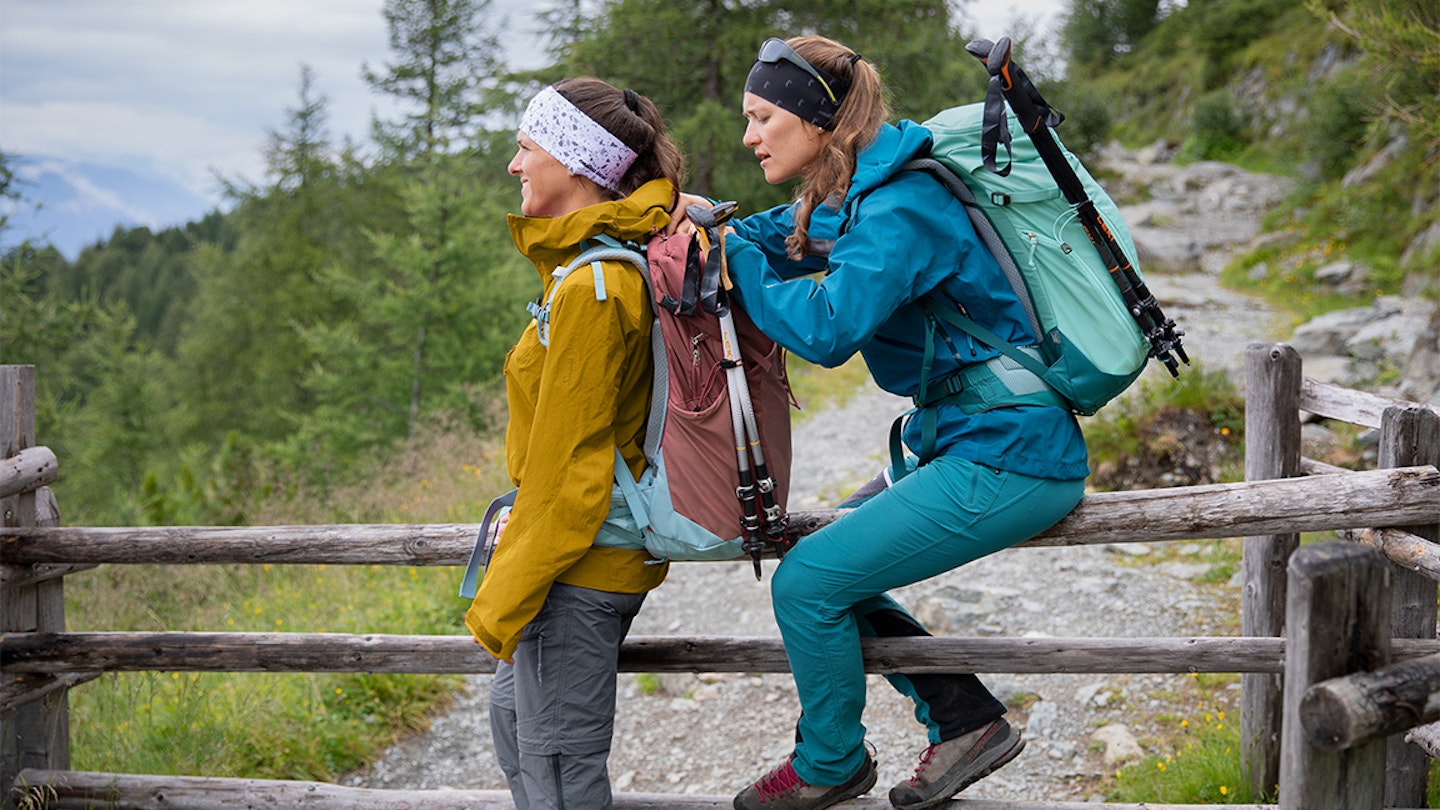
996 383
999 382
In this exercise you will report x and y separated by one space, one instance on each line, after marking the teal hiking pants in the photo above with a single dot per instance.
830 590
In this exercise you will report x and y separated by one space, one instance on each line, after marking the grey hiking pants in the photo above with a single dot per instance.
552 713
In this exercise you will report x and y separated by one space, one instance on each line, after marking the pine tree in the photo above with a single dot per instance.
445 278
241 357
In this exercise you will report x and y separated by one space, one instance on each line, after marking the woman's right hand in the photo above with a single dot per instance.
497 527
679 223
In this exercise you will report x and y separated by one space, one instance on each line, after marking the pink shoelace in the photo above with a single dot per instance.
924 760
780 781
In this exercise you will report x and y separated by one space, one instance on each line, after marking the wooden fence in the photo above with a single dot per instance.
1393 510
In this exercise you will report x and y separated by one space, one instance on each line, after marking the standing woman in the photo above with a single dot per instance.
593 160
998 467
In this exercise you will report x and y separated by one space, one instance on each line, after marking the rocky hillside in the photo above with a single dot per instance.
1339 96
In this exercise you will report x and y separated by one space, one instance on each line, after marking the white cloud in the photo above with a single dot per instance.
190 87
185 148
89 198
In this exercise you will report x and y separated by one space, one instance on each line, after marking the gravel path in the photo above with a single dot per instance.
711 734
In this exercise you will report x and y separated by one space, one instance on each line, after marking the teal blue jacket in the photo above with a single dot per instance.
895 238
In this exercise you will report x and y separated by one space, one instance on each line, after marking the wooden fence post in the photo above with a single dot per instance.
1338 623
35 734
1408 437
1272 450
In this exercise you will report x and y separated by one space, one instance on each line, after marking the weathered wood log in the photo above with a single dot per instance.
1337 622
37 732
81 789
1426 738
30 469
1310 466
1344 500
28 688
1409 551
1410 435
335 652
14 576
1345 404
1356 709
1272 451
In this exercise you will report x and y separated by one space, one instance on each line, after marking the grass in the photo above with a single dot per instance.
817 388
287 726
1162 420
306 726
1199 759
1201 764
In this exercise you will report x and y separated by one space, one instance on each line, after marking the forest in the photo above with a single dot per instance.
362 295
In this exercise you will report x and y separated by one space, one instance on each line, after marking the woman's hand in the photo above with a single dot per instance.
678 221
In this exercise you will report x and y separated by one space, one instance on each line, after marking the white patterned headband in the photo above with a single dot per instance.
575 139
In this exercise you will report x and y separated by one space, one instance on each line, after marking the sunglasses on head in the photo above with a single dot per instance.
778 50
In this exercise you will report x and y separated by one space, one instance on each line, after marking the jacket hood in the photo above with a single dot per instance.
893 146
551 241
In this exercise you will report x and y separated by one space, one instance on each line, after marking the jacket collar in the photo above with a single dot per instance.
893 146
549 242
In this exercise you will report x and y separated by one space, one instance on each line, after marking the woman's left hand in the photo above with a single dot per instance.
679 223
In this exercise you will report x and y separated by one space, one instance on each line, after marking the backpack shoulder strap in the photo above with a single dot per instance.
607 248
603 248
985 229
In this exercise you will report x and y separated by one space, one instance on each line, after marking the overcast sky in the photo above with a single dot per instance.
189 88
182 87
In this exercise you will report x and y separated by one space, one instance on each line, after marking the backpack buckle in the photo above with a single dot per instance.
999 198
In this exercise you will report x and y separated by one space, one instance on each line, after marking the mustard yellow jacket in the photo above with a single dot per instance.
571 405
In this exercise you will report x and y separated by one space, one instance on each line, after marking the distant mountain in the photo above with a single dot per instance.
72 205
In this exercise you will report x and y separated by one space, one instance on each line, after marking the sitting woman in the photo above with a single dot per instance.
996 466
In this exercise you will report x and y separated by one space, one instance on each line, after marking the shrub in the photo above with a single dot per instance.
1216 129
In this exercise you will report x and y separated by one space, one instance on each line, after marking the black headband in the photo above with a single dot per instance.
790 88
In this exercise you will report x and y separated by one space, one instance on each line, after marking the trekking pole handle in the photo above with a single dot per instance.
713 219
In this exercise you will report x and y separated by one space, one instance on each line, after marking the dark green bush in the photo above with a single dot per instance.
1338 123
1216 129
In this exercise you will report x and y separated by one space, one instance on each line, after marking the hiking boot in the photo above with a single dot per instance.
951 766
782 789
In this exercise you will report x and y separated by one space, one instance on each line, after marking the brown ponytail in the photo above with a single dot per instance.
855 125
636 121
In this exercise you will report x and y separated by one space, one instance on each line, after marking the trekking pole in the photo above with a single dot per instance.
1036 117
776 521
761 485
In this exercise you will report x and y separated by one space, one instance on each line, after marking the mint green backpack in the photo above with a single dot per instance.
1091 348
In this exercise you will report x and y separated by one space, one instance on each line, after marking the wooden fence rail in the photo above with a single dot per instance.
1353 710
27 471
81 790
1394 509
1343 500
57 653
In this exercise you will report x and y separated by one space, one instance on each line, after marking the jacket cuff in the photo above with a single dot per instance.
492 645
